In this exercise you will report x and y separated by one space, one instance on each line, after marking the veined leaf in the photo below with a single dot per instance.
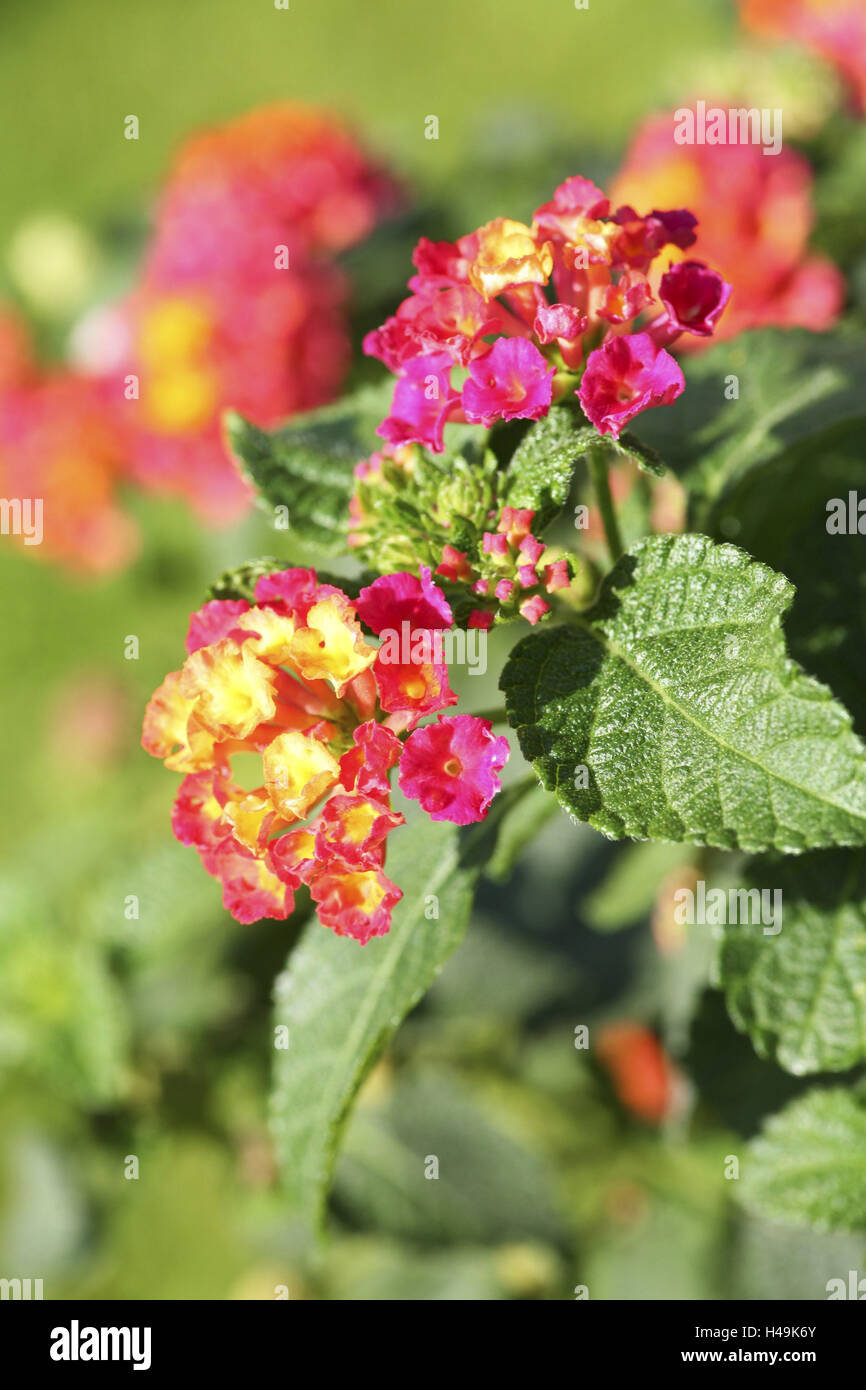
541 467
809 1165
800 993
671 711
343 1002
307 465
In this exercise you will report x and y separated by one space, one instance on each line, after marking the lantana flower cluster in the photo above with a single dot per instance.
239 303
510 318
756 234
294 680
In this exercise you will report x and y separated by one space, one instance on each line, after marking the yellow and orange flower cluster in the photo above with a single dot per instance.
293 681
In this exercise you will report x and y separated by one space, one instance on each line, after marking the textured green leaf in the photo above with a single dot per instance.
801 994
307 465
808 1166
241 581
630 447
676 694
541 467
793 385
343 1002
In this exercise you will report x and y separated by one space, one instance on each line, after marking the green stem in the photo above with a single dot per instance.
598 471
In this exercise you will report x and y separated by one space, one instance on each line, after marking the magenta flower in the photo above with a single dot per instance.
577 197
512 382
559 321
694 297
292 591
626 375
397 598
213 620
450 767
424 400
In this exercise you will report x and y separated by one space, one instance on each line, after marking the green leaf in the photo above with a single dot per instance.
801 994
631 887
343 1002
541 467
793 385
630 447
241 581
525 808
840 232
808 1167
307 465
676 696
490 1187
779 513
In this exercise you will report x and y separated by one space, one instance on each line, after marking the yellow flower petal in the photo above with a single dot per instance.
231 687
508 254
275 632
298 771
331 646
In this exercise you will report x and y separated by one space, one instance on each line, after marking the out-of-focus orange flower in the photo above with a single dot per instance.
754 215
240 303
61 457
644 1078
836 29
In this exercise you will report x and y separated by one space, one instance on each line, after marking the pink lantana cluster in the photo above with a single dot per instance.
757 234
61 460
293 680
511 573
525 314
240 303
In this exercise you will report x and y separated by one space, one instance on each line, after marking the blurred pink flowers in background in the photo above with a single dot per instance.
755 216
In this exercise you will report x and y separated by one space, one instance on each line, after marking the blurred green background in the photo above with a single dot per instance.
151 1037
